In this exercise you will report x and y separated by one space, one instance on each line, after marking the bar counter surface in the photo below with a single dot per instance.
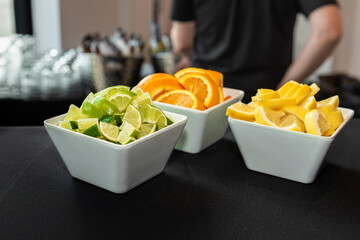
209 195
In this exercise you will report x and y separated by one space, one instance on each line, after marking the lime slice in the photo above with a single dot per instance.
89 98
109 119
142 99
84 124
67 125
107 92
122 99
109 131
123 138
118 118
73 124
155 115
104 105
169 120
133 116
93 131
74 113
91 110
146 129
137 90
129 129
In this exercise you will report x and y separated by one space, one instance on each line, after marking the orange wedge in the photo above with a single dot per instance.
183 98
217 76
203 86
159 83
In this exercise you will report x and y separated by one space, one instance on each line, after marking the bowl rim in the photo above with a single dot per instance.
236 93
182 121
349 114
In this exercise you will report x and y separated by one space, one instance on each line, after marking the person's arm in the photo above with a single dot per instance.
326 30
182 37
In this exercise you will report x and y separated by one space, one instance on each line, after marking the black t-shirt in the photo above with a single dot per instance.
250 41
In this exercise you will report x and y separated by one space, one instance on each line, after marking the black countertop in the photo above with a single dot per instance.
210 195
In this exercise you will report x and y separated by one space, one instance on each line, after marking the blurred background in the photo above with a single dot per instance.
54 52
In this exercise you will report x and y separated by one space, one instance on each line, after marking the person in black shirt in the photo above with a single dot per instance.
251 41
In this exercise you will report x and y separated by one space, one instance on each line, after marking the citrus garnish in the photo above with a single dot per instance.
93 131
308 103
315 123
203 86
146 129
133 116
241 111
183 98
277 103
332 101
267 116
109 131
129 129
122 99
296 111
137 90
124 139
83 124
293 123
107 92
74 113
104 105
286 87
159 83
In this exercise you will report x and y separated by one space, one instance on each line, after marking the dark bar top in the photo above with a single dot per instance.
209 195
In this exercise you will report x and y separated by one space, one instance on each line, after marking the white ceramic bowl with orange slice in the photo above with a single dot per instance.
204 127
283 153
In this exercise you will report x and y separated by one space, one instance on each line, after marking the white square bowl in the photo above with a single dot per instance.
203 128
283 153
114 167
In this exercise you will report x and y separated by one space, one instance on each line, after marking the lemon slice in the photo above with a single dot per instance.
295 110
109 131
333 116
301 93
315 123
133 116
308 103
241 111
265 96
292 91
122 99
267 116
332 101
277 102
293 123
286 87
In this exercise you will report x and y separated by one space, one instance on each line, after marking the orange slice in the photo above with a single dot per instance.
217 76
203 86
159 83
183 98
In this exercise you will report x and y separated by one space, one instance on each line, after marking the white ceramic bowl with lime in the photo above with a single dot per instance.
116 141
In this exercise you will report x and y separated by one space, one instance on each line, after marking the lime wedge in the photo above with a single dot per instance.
67 125
169 121
107 92
123 138
104 105
129 129
91 110
146 129
122 99
74 113
142 99
109 119
155 115
137 90
93 131
73 124
118 118
133 116
109 131
84 124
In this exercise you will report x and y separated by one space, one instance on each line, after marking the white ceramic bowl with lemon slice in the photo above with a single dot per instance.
283 153
114 167
203 128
